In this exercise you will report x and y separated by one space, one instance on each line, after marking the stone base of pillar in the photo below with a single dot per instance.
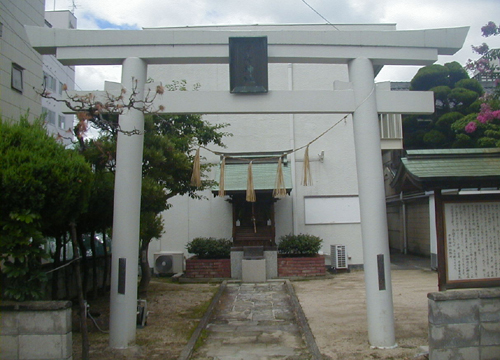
253 271
270 257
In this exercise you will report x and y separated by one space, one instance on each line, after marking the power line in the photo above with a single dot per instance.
324 18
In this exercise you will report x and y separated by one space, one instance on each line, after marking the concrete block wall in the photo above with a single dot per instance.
464 324
35 330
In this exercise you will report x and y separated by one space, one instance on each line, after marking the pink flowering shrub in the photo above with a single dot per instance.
471 127
490 29
490 106
486 114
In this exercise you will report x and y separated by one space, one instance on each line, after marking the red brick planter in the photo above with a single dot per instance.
301 266
208 268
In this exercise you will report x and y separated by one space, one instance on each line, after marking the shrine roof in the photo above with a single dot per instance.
449 169
264 172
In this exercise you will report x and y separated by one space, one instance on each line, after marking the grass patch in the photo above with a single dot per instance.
198 311
201 339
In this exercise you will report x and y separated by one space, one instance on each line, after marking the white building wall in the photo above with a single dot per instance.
15 49
58 123
334 176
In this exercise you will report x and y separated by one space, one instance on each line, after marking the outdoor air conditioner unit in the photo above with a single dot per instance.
168 263
339 256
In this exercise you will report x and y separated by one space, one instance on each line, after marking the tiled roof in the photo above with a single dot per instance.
264 174
450 168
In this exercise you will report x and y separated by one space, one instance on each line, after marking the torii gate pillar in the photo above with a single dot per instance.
372 206
126 216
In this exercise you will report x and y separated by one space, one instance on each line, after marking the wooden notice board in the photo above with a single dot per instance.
468 241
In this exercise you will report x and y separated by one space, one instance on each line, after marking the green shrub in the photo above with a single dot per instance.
299 245
210 248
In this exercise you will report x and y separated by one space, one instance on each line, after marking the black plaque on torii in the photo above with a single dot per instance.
248 65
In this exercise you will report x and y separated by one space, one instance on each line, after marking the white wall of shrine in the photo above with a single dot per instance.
335 176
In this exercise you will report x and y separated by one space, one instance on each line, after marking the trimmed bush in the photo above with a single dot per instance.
299 245
210 248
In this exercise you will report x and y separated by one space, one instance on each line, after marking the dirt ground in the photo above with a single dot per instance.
336 312
175 310
334 307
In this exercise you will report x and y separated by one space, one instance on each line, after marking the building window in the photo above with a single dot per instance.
62 122
61 85
391 126
17 77
50 116
49 82
1 29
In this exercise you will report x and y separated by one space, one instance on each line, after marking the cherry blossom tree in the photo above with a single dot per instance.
487 66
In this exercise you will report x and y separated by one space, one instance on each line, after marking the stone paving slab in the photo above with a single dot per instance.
253 321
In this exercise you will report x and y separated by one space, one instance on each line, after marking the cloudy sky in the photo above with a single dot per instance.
407 14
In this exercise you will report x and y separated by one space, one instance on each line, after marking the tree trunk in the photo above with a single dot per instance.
65 269
106 263
145 269
55 265
94 265
83 255
81 301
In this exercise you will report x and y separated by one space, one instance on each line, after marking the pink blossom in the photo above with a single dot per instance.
482 118
485 107
481 49
470 127
486 114
490 29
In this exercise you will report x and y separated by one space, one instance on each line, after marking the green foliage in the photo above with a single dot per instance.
486 134
441 94
433 138
151 226
471 84
456 72
43 187
462 98
299 245
435 75
486 142
492 133
459 124
38 174
20 253
429 77
445 121
456 96
210 248
462 141
170 143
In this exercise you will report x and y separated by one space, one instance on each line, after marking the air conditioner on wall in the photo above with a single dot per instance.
168 262
339 256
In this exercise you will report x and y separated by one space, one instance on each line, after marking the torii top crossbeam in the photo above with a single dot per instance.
286 44
382 44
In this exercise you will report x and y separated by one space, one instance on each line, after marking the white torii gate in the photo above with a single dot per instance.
365 52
